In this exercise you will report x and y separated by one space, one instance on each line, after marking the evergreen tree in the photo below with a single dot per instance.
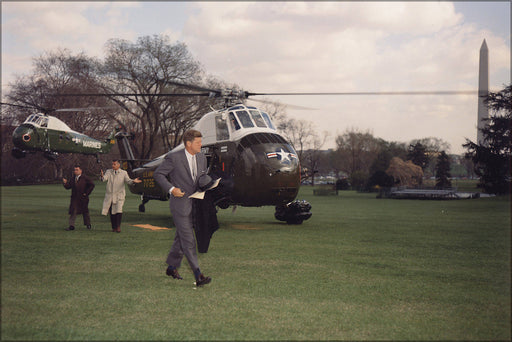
417 153
443 171
492 157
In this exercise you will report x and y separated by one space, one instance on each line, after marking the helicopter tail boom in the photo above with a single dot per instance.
125 149
109 142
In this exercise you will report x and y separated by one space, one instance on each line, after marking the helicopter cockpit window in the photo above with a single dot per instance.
234 122
36 119
32 118
221 128
43 122
267 120
257 118
244 118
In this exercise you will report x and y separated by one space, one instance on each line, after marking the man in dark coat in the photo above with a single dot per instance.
205 215
81 187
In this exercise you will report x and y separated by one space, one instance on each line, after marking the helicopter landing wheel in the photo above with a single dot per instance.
51 156
17 153
294 212
142 206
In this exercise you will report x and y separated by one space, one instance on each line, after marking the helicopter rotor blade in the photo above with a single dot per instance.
194 87
441 92
16 105
138 94
283 104
85 109
232 95
46 111
29 106
245 94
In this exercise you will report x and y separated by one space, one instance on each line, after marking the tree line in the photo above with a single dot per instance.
153 65
367 163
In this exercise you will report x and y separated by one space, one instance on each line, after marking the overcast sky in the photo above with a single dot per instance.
302 47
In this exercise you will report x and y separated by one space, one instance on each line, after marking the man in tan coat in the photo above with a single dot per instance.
115 193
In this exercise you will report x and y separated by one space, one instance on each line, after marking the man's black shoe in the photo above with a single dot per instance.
70 228
202 280
173 273
89 227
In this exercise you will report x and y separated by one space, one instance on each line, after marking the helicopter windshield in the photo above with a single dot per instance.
256 116
267 120
37 119
249 118
244 118
32 118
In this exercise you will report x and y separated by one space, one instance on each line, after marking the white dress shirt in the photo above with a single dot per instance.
192 164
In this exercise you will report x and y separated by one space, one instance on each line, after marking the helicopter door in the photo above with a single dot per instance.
221 128
44 125
42 121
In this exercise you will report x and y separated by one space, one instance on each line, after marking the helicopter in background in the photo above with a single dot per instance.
45 133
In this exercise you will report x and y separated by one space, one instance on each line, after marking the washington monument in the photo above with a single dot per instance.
483 91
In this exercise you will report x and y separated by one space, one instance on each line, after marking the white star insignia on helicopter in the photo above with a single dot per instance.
283 156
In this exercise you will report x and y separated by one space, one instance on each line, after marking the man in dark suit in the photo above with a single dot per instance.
178 174
81 187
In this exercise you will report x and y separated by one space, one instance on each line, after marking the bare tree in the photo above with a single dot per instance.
312 157
356 151
145 67
300 133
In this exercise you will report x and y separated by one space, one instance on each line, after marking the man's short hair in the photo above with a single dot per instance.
77 166
116 161
190 135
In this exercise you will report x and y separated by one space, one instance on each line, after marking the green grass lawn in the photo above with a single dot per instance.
360 269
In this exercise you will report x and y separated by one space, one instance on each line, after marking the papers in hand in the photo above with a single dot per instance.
200 194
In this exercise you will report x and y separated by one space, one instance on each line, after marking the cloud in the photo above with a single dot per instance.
295 47
45 26
341 42
351 46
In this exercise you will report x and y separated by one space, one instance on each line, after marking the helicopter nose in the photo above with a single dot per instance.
22 136
269 171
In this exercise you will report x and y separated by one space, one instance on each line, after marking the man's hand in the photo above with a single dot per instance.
64 180
176 192
137 180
